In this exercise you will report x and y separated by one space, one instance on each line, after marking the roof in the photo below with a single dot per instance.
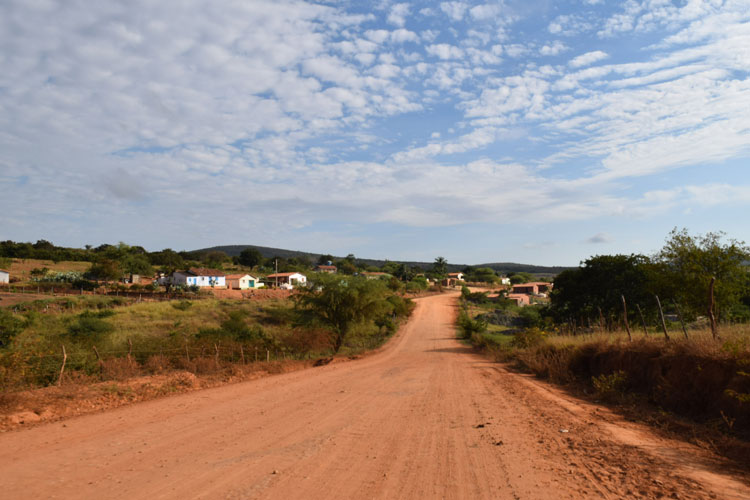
374 273
454 274
238 276
204 271
326 267
4 271
281 275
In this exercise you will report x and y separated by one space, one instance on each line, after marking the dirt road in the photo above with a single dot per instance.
425 418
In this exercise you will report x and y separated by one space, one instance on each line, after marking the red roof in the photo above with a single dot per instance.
280 275
327 267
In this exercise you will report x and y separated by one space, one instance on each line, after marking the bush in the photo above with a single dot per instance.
182 305
610 386
470 327
90 324
528 337
10 326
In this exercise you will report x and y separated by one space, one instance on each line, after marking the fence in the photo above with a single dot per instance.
56 291
19 370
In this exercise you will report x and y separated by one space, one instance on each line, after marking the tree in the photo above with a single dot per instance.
250 257
324 259
340 303
522 277
689 262
106 269
214 258
599 283
440 268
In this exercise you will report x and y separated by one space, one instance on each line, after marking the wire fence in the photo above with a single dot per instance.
22 370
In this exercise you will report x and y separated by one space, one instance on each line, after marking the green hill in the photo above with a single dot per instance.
268 252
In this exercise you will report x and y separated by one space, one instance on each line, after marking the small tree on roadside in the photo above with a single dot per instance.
339 303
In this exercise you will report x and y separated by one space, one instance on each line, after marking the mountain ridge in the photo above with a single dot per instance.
268 252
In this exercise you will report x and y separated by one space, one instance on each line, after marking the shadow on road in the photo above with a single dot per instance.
457 350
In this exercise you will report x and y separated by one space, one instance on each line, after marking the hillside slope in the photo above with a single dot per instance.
268 252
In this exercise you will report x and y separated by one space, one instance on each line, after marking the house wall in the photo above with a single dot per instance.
4 277
219 281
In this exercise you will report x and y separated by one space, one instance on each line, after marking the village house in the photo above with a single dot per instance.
521 299
242 282
200 277
285 280
327 268
4 276
532 288
452 279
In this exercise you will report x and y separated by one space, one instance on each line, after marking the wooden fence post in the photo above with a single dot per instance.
661 315
242 354
268 355
711 315
62 368
216 348
625 317
643 320
679 315
130 350
187 352
256 354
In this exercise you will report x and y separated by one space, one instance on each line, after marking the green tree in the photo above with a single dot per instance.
106 269
599 283
339 303
440 268
250 257
689 262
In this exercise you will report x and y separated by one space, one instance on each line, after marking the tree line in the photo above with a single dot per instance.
686 274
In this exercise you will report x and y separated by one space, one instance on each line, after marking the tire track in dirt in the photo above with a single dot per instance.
423 418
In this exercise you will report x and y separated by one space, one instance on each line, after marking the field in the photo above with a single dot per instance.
21 268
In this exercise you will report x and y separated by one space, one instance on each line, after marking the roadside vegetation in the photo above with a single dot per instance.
111 338
686 352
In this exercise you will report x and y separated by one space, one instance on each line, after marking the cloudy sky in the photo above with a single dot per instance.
534 131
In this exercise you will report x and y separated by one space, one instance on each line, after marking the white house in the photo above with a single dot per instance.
4 276
242 282
200 277
289 279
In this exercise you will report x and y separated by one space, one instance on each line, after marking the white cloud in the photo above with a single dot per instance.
588 58
553 49
398 13
444 51
455 10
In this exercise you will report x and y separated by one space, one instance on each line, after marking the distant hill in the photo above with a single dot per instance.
268 252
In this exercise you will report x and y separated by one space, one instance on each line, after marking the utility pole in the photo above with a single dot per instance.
276 262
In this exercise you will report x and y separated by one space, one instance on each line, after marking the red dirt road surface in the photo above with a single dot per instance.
423 418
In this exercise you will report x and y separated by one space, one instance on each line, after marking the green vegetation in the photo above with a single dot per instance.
680 274
345 304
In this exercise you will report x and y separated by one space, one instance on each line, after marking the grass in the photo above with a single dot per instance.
21 268
112 338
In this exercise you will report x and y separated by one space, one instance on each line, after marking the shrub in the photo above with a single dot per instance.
470 327
610 386
90 324
10 326
182 305
528 337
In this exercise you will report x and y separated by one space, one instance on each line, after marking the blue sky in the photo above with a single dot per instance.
529 131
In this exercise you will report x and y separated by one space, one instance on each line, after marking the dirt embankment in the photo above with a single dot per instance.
424 418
